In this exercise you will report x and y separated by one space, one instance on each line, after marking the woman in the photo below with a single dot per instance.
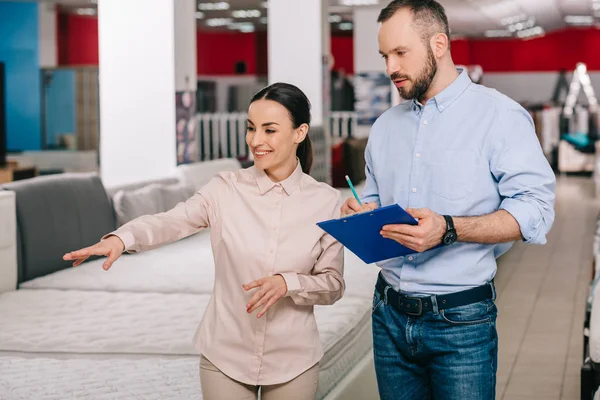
270 257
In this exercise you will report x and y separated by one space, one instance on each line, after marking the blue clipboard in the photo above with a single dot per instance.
360 233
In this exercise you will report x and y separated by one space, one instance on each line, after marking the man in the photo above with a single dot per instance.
465 161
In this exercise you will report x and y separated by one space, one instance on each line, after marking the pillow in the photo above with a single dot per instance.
200 173
132 204
150 199
175 194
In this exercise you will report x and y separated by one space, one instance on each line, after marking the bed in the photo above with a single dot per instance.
141 315
87 327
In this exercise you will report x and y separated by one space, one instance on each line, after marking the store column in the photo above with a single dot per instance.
47 35
375 92
147 70
299 53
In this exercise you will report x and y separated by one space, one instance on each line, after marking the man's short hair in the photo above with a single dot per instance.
429 16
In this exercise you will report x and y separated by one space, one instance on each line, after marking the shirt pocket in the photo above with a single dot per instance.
453 174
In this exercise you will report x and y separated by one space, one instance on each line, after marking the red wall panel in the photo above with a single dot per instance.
461 52
219 51
77 40
556 50
342 49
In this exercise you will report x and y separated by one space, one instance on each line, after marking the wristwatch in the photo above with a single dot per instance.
450 236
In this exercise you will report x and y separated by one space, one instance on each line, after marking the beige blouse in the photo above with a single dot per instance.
258 228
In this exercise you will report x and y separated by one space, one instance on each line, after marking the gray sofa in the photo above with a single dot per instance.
48 216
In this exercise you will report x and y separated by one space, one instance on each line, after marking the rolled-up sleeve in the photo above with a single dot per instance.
525 179
370 191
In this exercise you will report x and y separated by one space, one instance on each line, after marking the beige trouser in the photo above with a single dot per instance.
218 386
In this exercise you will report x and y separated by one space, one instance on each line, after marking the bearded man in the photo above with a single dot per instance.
465 161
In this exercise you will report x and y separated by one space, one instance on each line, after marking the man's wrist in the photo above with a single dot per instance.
450 235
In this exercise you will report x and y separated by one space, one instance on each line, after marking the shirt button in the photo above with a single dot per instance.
414 190
410 258
418 155
425 122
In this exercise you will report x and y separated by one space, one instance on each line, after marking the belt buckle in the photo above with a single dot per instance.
419 311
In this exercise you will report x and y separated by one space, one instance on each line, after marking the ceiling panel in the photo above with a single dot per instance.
467 17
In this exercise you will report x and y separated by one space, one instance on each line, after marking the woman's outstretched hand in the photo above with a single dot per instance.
111 247
272 288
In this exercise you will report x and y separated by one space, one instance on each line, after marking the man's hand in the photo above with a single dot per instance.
351 206
272 288
422 237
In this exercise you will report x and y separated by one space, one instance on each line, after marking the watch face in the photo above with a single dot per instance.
450 237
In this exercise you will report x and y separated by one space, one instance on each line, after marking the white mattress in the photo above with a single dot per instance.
137 323
186 266
117 378
88 324
99 322
91 378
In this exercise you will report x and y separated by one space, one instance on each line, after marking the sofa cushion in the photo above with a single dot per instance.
57 214
150 199
8 242
175 194
200 173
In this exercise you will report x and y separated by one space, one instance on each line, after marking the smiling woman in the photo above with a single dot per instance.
270 257
277 133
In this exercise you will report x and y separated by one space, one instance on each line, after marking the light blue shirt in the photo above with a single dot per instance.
468 151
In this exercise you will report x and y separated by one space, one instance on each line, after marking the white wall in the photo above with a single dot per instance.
137 90
535 87
296 50
47 34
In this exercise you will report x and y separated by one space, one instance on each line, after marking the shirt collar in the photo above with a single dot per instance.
290 184
449 94
453 91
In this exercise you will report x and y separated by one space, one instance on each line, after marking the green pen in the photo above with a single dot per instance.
353 190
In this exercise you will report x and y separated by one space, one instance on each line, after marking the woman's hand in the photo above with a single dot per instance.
272 288
111 247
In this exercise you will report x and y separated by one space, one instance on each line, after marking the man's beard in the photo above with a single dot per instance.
421 84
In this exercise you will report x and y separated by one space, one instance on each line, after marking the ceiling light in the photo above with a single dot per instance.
346 26
265 4
334 18
514 19
579 19
264 20
218 21
497 33
358 2
531 32
85 11
213 6
246 14
199 15
242 26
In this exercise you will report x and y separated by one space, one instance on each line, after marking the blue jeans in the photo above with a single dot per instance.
447 354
